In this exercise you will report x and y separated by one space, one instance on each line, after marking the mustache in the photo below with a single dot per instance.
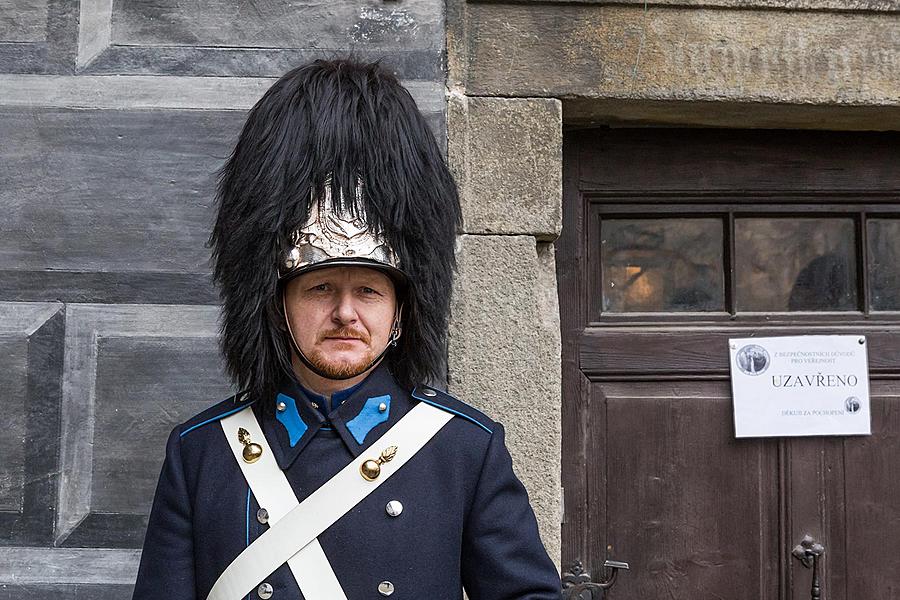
345 332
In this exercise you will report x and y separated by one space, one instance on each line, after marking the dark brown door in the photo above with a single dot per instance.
675 240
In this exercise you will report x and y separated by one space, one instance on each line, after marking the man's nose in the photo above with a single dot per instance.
345 309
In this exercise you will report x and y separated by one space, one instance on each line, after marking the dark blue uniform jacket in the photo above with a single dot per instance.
466 520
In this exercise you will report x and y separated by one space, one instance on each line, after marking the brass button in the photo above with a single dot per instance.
262 515
252 451
385 588
394 508
265 591
371 469
281 406
429 392
382 407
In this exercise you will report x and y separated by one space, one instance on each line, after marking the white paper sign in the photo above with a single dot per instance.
800 385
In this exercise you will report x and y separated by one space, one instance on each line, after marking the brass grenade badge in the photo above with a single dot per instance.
252 450
371 469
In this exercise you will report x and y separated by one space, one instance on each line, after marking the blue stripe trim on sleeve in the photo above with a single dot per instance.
248 523
455 412
216 418
248 516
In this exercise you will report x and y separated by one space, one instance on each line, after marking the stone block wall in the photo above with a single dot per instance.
504 354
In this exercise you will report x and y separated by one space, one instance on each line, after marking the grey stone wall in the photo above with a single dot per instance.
114 116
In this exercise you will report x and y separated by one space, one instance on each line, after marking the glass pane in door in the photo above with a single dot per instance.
795 264
884 263
662 265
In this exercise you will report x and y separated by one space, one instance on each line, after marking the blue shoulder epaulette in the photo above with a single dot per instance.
226 407
445 401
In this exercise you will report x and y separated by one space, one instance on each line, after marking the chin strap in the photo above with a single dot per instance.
392 341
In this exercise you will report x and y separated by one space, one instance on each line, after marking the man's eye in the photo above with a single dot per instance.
368 290
322 287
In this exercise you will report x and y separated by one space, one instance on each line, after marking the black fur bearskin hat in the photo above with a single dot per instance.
347 125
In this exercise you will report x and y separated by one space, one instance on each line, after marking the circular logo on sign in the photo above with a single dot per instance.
752 359
852 404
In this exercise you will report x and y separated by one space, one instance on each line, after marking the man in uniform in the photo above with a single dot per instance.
338 472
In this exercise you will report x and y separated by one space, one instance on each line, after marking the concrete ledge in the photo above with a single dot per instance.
506 155
675 53
151 92
22 566
829 5
504 358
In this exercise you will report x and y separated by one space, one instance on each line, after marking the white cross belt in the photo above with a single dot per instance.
294 527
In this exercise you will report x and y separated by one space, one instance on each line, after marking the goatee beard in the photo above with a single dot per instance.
341 369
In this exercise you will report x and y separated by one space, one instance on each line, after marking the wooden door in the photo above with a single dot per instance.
675 240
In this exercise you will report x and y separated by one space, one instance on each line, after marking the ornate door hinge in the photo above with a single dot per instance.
577 584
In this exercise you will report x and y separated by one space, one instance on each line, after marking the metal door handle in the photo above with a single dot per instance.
808 552
577 584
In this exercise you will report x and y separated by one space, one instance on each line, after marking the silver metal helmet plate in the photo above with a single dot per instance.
331 234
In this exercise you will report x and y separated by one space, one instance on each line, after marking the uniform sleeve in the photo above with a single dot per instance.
167 561
503 556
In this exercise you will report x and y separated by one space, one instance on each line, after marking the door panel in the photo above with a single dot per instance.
872 500
843 491
684 350
689 507
649 160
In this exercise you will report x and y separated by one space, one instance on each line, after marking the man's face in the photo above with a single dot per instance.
341 317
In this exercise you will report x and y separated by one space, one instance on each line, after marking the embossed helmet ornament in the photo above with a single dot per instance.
338 236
